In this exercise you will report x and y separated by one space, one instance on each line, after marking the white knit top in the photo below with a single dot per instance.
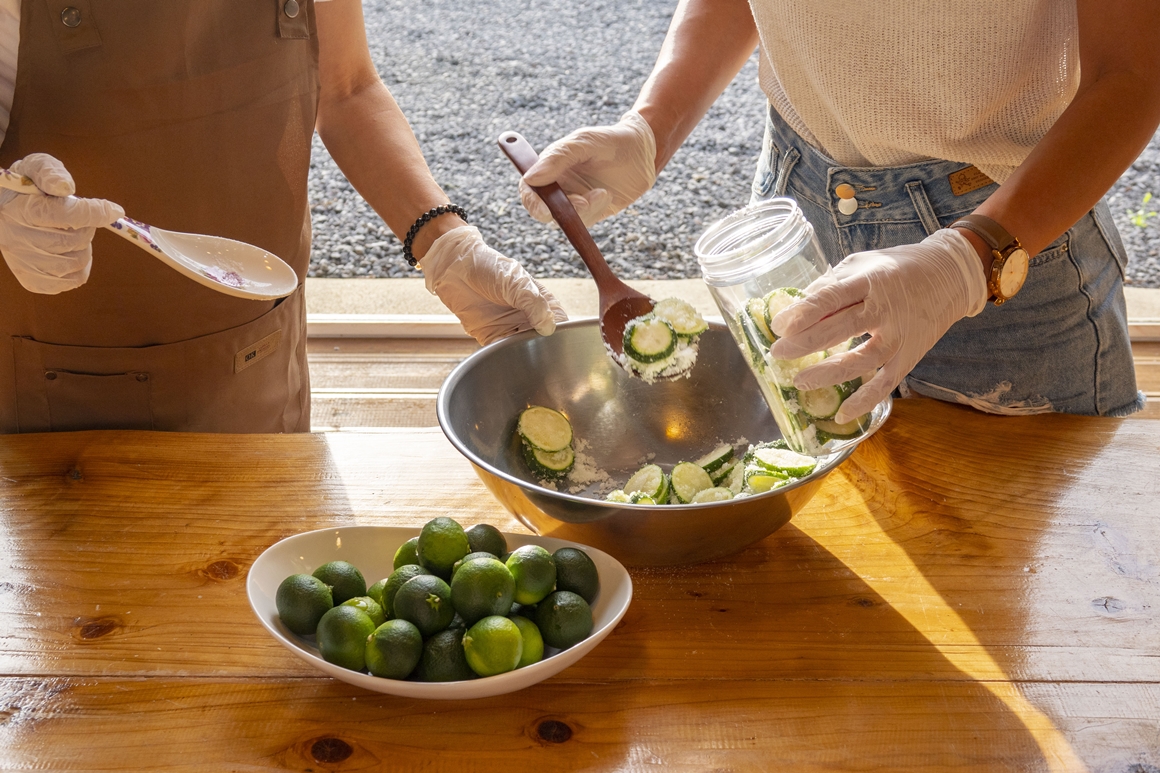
892 82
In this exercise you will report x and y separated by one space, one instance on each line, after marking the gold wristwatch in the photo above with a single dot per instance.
1009 270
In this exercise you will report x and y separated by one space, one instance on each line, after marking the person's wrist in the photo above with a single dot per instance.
986 257
432 230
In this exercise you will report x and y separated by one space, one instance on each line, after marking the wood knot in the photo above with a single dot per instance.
89 628
330 750
695 593
222 569
75 475
864 602
553 731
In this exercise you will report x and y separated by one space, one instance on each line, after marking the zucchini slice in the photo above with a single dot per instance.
549 465
544 429
715 494
783 462
832 430
775 301
715 459
822 403
617 496
686 322
649 339
640 498
689 480
755 311
720 475
758 480
736 480
650 480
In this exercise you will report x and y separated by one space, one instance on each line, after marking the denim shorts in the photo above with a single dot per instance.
1060 345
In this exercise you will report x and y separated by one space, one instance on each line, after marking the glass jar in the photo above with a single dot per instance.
756 262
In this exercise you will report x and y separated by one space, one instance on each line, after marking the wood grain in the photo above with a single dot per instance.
961 592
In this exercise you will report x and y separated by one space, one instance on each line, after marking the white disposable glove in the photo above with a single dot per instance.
492 295
47 239
906 297
603 169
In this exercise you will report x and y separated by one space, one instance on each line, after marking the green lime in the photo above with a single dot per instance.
373 609
493 646
534 572
481 588
345 580
342 637
442 543
469 557
485 538
395 581
302 600
376 592
425 600
408 553
533 651
564 619
394 649
576 572
443 659
523 610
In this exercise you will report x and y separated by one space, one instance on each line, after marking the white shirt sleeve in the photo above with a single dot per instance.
9 46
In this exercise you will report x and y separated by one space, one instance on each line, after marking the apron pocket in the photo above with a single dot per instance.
97 401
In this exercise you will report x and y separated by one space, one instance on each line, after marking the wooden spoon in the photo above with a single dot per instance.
619 303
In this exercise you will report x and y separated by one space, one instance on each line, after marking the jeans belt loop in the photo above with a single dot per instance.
788 162
923 206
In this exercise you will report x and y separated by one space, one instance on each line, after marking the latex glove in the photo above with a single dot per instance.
492 295
906 297
47 240
603 169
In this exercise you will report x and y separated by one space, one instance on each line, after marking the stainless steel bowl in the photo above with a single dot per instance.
622 420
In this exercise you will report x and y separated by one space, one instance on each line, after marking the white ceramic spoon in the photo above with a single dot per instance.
228 266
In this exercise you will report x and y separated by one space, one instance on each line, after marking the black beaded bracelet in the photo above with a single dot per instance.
425 218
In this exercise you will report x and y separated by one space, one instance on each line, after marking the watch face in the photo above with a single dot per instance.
1014 272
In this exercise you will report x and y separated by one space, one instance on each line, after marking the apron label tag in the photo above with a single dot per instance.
966 180
257 352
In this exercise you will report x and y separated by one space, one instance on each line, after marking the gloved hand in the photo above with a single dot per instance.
492 295
603 169
906 297
47 239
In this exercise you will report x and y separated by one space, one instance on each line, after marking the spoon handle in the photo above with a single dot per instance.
523 156
16 182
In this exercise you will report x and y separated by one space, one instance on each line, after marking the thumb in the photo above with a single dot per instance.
47 173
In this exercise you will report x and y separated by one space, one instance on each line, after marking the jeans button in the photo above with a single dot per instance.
847 204
291 8
71 17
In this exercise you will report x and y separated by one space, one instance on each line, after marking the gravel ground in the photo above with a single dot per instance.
466 72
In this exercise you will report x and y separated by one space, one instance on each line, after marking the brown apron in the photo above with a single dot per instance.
194 115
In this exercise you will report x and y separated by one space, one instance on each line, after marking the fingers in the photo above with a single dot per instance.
865 397
559 157
47 173
590 205
68 212
846 366
826 295
830 331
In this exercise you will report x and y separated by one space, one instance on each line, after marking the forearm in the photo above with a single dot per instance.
371 141
1100 134
707 44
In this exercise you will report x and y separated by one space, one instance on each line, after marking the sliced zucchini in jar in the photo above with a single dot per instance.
686 322
650 480
832 430
649 339
688 479
715 459
783 462
640 498
715 494
544 429
549 465
749 343
821 403
758 480
775 301
755 311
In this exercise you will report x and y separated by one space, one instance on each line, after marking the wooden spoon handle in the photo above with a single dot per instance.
523 155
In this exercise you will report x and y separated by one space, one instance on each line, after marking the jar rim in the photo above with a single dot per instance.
752 239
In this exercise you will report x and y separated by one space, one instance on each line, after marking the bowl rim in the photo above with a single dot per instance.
825 463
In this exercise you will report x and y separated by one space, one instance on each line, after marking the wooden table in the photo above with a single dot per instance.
965 593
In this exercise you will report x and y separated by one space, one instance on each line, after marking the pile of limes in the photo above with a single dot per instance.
458 605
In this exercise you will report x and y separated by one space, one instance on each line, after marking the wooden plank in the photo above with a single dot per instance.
744 725
926 554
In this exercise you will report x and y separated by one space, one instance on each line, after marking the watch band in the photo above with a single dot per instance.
995 235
